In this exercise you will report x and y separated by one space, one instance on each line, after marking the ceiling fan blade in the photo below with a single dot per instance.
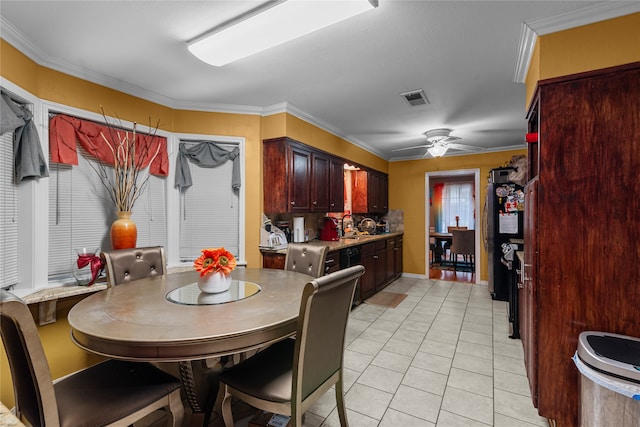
464 147
413 148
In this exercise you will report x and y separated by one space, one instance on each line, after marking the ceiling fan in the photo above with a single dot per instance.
439 141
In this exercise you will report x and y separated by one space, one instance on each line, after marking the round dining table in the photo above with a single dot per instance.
166 318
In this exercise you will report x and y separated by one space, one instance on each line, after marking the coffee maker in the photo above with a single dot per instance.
329 230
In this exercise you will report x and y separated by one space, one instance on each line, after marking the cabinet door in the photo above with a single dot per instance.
391 260
270 260
319 182
528 317
373 192
336 185
398 257
383 193
368 279
380 258
300 179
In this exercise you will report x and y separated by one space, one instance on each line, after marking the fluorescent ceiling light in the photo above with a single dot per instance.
437 150
274 25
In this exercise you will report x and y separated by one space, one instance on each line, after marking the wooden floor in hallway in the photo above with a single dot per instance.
453 276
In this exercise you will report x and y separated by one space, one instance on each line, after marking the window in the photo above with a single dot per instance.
457 201
81 213
210 210
8 214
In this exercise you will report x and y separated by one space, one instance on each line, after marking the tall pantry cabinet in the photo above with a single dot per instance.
582 227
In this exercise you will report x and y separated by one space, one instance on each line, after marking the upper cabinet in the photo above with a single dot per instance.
369 192
301 179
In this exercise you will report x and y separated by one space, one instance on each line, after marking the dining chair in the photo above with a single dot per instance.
125 265
290 375
447 244
307 259
463 243
111 393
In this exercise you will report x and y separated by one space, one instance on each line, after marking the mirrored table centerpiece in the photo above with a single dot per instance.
191 295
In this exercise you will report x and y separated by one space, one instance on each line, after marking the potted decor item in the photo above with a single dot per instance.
123 167
215 266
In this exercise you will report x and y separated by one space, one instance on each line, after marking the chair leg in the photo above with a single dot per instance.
227 414
176 409
342 410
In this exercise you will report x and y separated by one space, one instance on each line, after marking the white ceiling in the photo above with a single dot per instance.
465 55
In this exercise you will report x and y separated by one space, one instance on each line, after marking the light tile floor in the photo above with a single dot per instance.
441 358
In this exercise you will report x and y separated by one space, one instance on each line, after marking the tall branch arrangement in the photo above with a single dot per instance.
126 180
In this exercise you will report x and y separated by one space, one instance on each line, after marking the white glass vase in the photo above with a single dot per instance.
214 283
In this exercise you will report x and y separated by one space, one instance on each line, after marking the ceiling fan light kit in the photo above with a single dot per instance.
274 23
437 150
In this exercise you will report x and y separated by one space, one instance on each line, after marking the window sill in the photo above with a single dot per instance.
47 299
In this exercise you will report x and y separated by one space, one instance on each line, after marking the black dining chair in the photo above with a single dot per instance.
307 259
111 393
289 376
125 265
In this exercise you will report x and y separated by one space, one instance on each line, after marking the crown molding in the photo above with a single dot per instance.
531 30
287 107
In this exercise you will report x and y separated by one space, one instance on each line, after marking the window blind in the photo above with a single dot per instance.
209 211
81 213
8 214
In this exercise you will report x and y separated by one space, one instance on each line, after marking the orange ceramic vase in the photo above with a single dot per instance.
124 233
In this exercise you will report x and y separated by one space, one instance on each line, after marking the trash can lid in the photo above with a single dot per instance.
612 354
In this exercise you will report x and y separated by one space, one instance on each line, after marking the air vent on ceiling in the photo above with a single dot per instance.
415 97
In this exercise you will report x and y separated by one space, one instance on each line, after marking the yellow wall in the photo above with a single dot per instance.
589 47
407 191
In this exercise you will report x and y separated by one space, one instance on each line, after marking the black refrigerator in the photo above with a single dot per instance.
505 212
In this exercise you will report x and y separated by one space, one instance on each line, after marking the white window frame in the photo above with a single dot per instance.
173 216
33 195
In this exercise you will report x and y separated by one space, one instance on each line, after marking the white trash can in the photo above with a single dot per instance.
610 380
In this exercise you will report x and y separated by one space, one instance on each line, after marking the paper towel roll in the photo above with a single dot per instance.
298 229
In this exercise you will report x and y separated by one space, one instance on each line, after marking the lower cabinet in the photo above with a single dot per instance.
382 260
368 279
273 260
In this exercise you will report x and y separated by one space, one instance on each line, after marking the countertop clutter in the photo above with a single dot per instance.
343 243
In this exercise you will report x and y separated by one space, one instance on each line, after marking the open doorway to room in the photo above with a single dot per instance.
452 200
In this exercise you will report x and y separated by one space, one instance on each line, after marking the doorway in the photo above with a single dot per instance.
453 175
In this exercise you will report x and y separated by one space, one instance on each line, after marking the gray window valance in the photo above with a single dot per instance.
27 152
205 154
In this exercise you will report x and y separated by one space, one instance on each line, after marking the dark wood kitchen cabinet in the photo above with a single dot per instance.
582 230
368 279
336 185
370 192
397 254
320 164
300 179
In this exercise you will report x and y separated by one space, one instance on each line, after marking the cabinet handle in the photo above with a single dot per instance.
293 203
333 204
315 203
330 261
375 257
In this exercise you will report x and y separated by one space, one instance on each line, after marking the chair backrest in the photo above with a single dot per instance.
32 383
322 322
307 259
125 265
463 242
451 228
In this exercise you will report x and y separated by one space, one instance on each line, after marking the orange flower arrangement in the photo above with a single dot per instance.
215 260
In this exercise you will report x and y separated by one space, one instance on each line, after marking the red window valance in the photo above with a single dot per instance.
65 130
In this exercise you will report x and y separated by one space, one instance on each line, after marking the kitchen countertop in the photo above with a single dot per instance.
342 243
